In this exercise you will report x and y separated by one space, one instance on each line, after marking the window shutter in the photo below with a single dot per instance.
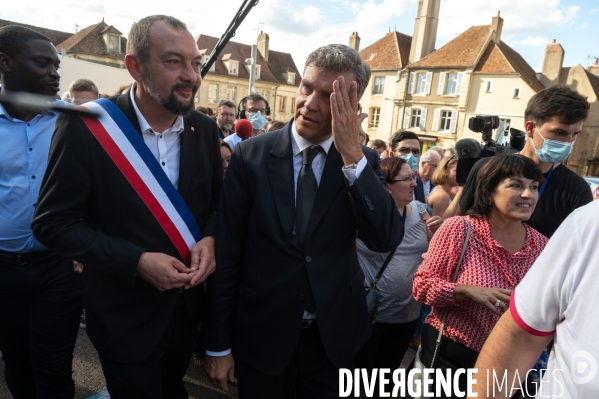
441 84
411 82
458 88
406 118
423 119
429 81
454 121
436 119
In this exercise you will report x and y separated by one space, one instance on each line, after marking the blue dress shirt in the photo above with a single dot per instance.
24 148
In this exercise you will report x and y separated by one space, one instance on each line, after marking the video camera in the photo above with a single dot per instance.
469 151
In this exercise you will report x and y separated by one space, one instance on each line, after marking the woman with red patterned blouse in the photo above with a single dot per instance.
501 249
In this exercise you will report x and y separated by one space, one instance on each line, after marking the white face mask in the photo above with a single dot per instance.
257 120
553 151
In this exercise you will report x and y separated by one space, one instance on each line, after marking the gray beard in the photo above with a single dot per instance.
171 103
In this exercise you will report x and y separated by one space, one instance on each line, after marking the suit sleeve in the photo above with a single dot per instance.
217 183
59 219
231 230
380 225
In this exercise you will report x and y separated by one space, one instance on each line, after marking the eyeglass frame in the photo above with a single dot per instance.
408 179
254 110
406 150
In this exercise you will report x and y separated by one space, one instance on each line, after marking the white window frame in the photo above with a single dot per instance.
416 123
420 83
380 86
455 89
516 94
233 90
213 89
233 67
291 78
375 117
118 43
447 121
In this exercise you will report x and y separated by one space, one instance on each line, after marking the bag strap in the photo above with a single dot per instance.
455 278
389 257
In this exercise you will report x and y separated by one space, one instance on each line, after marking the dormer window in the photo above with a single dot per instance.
233 67
256 71
291 78
114 43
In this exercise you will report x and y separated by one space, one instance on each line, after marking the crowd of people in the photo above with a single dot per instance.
248 242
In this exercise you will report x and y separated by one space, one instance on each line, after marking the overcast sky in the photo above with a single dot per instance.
299 26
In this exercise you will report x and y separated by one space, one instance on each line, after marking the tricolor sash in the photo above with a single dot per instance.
127 149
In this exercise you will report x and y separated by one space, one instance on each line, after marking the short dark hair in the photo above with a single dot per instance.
340 58
138 42
84 85
225 103
14 38
255 97
202 109
560 102
390 167
378 143
497 169
401 136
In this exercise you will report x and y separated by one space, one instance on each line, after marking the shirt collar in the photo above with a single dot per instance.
5 114
143 123
298 143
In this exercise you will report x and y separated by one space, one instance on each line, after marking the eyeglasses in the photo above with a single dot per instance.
408 179
406 150
254 110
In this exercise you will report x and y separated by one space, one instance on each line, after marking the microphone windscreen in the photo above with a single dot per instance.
244 129
467 148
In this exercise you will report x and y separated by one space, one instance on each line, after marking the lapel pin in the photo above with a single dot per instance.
193 129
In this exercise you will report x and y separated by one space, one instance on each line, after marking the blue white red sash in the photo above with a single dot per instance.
127 149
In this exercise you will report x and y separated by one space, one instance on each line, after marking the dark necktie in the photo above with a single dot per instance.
306 193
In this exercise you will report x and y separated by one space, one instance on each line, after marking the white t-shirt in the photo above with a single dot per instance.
561 293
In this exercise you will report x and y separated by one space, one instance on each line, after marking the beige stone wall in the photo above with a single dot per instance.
270 91
384 102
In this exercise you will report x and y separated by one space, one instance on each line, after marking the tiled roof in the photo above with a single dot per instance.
271 71
90 41
521 67
389 53
461 52
55 36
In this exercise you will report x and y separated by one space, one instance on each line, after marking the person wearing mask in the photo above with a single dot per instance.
407 145
499 251
398 311
254 109
553 118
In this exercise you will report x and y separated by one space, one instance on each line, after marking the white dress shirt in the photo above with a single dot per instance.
298 144
165 146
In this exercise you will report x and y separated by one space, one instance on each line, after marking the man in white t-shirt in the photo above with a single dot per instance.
558 299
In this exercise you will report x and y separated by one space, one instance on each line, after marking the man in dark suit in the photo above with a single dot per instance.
142 302
287 300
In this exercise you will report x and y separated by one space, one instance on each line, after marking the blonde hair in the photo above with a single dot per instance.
440 175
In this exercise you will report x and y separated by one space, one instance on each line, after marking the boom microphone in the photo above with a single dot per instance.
244 129
467 148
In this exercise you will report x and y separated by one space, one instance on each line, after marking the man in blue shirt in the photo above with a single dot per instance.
40 293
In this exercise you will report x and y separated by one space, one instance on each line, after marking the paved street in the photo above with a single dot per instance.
89 379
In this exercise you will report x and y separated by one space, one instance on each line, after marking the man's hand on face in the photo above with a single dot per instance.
220 369
203 261
163 271
346 121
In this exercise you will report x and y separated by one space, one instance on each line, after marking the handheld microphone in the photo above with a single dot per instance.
244 129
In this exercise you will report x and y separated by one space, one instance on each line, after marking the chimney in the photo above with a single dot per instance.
263 45
594 69
552 64
497 26
425 29
354 41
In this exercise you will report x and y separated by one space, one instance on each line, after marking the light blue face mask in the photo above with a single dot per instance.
412 161
257 120
553 151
